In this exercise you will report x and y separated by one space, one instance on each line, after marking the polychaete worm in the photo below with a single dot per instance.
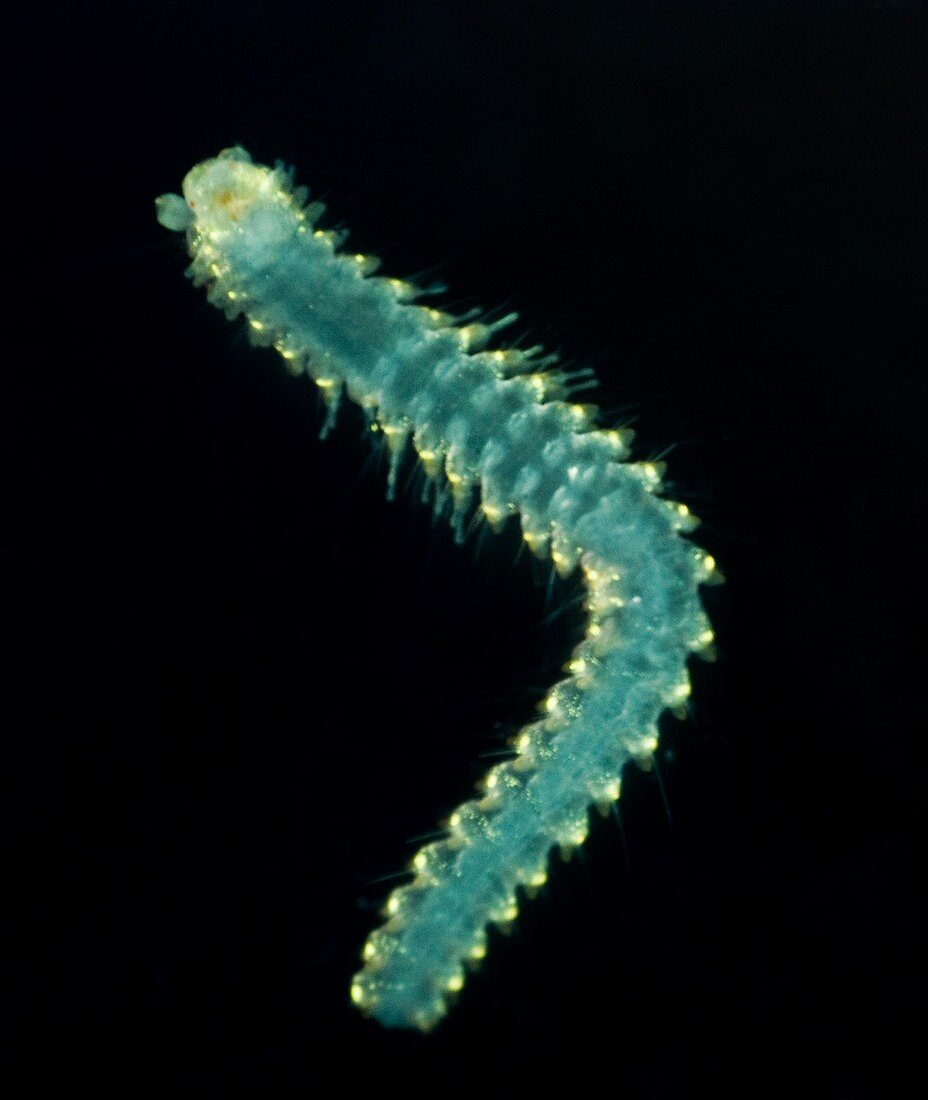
494 425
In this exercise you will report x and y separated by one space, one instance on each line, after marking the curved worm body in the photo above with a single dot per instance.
493 424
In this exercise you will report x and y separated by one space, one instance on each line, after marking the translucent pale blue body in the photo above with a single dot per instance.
532 458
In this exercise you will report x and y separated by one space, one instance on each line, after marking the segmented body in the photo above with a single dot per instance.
487 422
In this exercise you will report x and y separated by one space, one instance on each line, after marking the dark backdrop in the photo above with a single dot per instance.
237 682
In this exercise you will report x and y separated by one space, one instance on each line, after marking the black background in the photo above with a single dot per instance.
237 682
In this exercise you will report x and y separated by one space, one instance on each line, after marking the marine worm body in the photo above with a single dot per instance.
491 426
